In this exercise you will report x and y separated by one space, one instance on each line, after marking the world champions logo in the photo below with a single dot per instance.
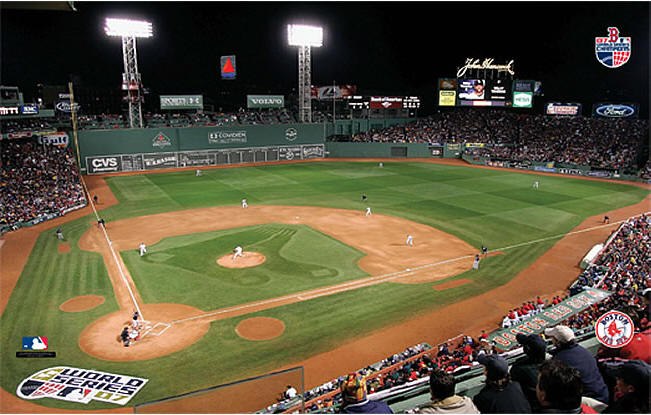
613 50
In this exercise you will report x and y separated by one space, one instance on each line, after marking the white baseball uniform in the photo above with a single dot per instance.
143 249
368 211
244 204
475 264
381 165
410 240
535 184
198 173
238 252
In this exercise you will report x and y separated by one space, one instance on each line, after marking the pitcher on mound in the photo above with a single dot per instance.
238 252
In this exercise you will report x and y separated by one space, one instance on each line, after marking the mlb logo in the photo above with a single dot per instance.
35 343
613 51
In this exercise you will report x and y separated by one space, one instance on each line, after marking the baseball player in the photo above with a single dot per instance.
368 211
363 197
100 223
410 240
238 252
475 265
535 184
606 219
59 233
198 173
484 250
381 165
143 248
244 204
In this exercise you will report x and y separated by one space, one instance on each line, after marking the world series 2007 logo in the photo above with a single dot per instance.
614 329
613 50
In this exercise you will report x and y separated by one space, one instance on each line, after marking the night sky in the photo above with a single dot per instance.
389 48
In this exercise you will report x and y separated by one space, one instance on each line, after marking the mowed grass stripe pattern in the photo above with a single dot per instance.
298 258
493 207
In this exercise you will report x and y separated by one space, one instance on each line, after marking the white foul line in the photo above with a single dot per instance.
110 245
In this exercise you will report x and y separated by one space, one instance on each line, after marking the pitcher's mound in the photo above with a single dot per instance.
248 259
82 303
260 328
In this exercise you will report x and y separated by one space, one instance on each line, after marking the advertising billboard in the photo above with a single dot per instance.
447 98
265 101
386 102
556 108
181 102
612 110
227 67
522 99
333 92
447 84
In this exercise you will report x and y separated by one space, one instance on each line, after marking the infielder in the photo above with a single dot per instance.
475 264
368 211
238 252
244 204
535 184
410 240
143 248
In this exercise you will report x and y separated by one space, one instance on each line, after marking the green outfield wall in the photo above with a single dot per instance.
360 125
377 150
110 151
388 150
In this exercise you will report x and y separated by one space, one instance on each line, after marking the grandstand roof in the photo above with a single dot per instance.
68 6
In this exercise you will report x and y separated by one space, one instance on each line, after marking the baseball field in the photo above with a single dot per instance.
317 276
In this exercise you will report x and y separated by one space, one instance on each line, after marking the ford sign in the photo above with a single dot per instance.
615 110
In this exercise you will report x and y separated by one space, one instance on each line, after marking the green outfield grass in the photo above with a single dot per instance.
496 208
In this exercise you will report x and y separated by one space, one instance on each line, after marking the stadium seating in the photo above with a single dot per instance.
38 182
401 379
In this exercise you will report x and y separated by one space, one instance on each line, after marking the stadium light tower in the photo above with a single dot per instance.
305 37
129 30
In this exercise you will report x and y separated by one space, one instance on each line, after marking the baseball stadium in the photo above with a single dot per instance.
323 248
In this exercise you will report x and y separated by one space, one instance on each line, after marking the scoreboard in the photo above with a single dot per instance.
484 92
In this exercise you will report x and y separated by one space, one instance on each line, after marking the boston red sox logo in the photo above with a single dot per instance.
613 51
614 329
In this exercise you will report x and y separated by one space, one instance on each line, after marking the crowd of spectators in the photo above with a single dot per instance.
622 269
599 143
25 125
36 181
190 119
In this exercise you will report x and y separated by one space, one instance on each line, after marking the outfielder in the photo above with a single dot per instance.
535 184
244 204
238 252
410 240
59 233
143 248
368 211
198 173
